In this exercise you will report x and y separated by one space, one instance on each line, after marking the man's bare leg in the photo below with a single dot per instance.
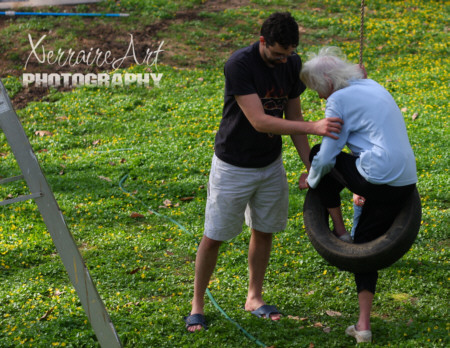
258 259
205 262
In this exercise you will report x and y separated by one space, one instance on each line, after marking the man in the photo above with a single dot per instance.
247 176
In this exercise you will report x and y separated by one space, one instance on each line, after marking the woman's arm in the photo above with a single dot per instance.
325 159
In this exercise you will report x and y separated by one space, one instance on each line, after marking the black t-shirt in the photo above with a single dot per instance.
237 142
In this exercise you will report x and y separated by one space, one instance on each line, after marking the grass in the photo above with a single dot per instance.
159 142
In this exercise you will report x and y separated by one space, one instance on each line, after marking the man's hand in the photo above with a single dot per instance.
302 182
327 126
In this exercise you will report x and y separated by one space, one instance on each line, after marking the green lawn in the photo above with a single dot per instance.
117 151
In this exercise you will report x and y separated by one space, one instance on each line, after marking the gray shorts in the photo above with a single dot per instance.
258 195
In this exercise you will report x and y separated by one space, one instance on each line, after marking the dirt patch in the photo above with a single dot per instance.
220 5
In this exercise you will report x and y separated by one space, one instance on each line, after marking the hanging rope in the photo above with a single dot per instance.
361 35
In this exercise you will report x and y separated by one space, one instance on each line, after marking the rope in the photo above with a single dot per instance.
247 334
361 35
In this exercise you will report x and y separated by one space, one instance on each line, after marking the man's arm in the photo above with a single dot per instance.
293 112
251 106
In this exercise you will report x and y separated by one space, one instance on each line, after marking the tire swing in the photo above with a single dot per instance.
366 257
374 255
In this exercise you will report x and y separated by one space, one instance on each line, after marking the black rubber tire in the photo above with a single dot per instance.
359 258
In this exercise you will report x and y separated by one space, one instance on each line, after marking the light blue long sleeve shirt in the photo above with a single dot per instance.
374 130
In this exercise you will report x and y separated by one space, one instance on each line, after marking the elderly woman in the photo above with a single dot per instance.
381 169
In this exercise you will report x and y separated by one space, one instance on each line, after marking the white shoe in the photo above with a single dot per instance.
346 238
361 336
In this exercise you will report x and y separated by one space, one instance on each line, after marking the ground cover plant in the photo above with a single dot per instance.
129 169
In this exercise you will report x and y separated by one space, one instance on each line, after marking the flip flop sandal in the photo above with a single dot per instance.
265 311
195 319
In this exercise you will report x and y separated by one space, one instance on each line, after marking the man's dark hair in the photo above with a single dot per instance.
280 28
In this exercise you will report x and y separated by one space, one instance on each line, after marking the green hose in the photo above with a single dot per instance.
248 335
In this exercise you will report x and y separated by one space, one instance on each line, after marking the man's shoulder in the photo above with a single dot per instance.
245 54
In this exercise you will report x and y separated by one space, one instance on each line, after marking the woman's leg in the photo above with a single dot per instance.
365 286
361 331
330 188
382 205
338 221
365 299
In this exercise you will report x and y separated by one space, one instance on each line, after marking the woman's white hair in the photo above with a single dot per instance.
329 71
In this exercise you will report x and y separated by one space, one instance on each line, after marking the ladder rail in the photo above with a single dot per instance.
56 225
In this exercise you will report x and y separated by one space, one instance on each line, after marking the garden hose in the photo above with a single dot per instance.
246 333
151 210
14 13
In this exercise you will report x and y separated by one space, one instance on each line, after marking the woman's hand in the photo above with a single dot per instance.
358 200
303 182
